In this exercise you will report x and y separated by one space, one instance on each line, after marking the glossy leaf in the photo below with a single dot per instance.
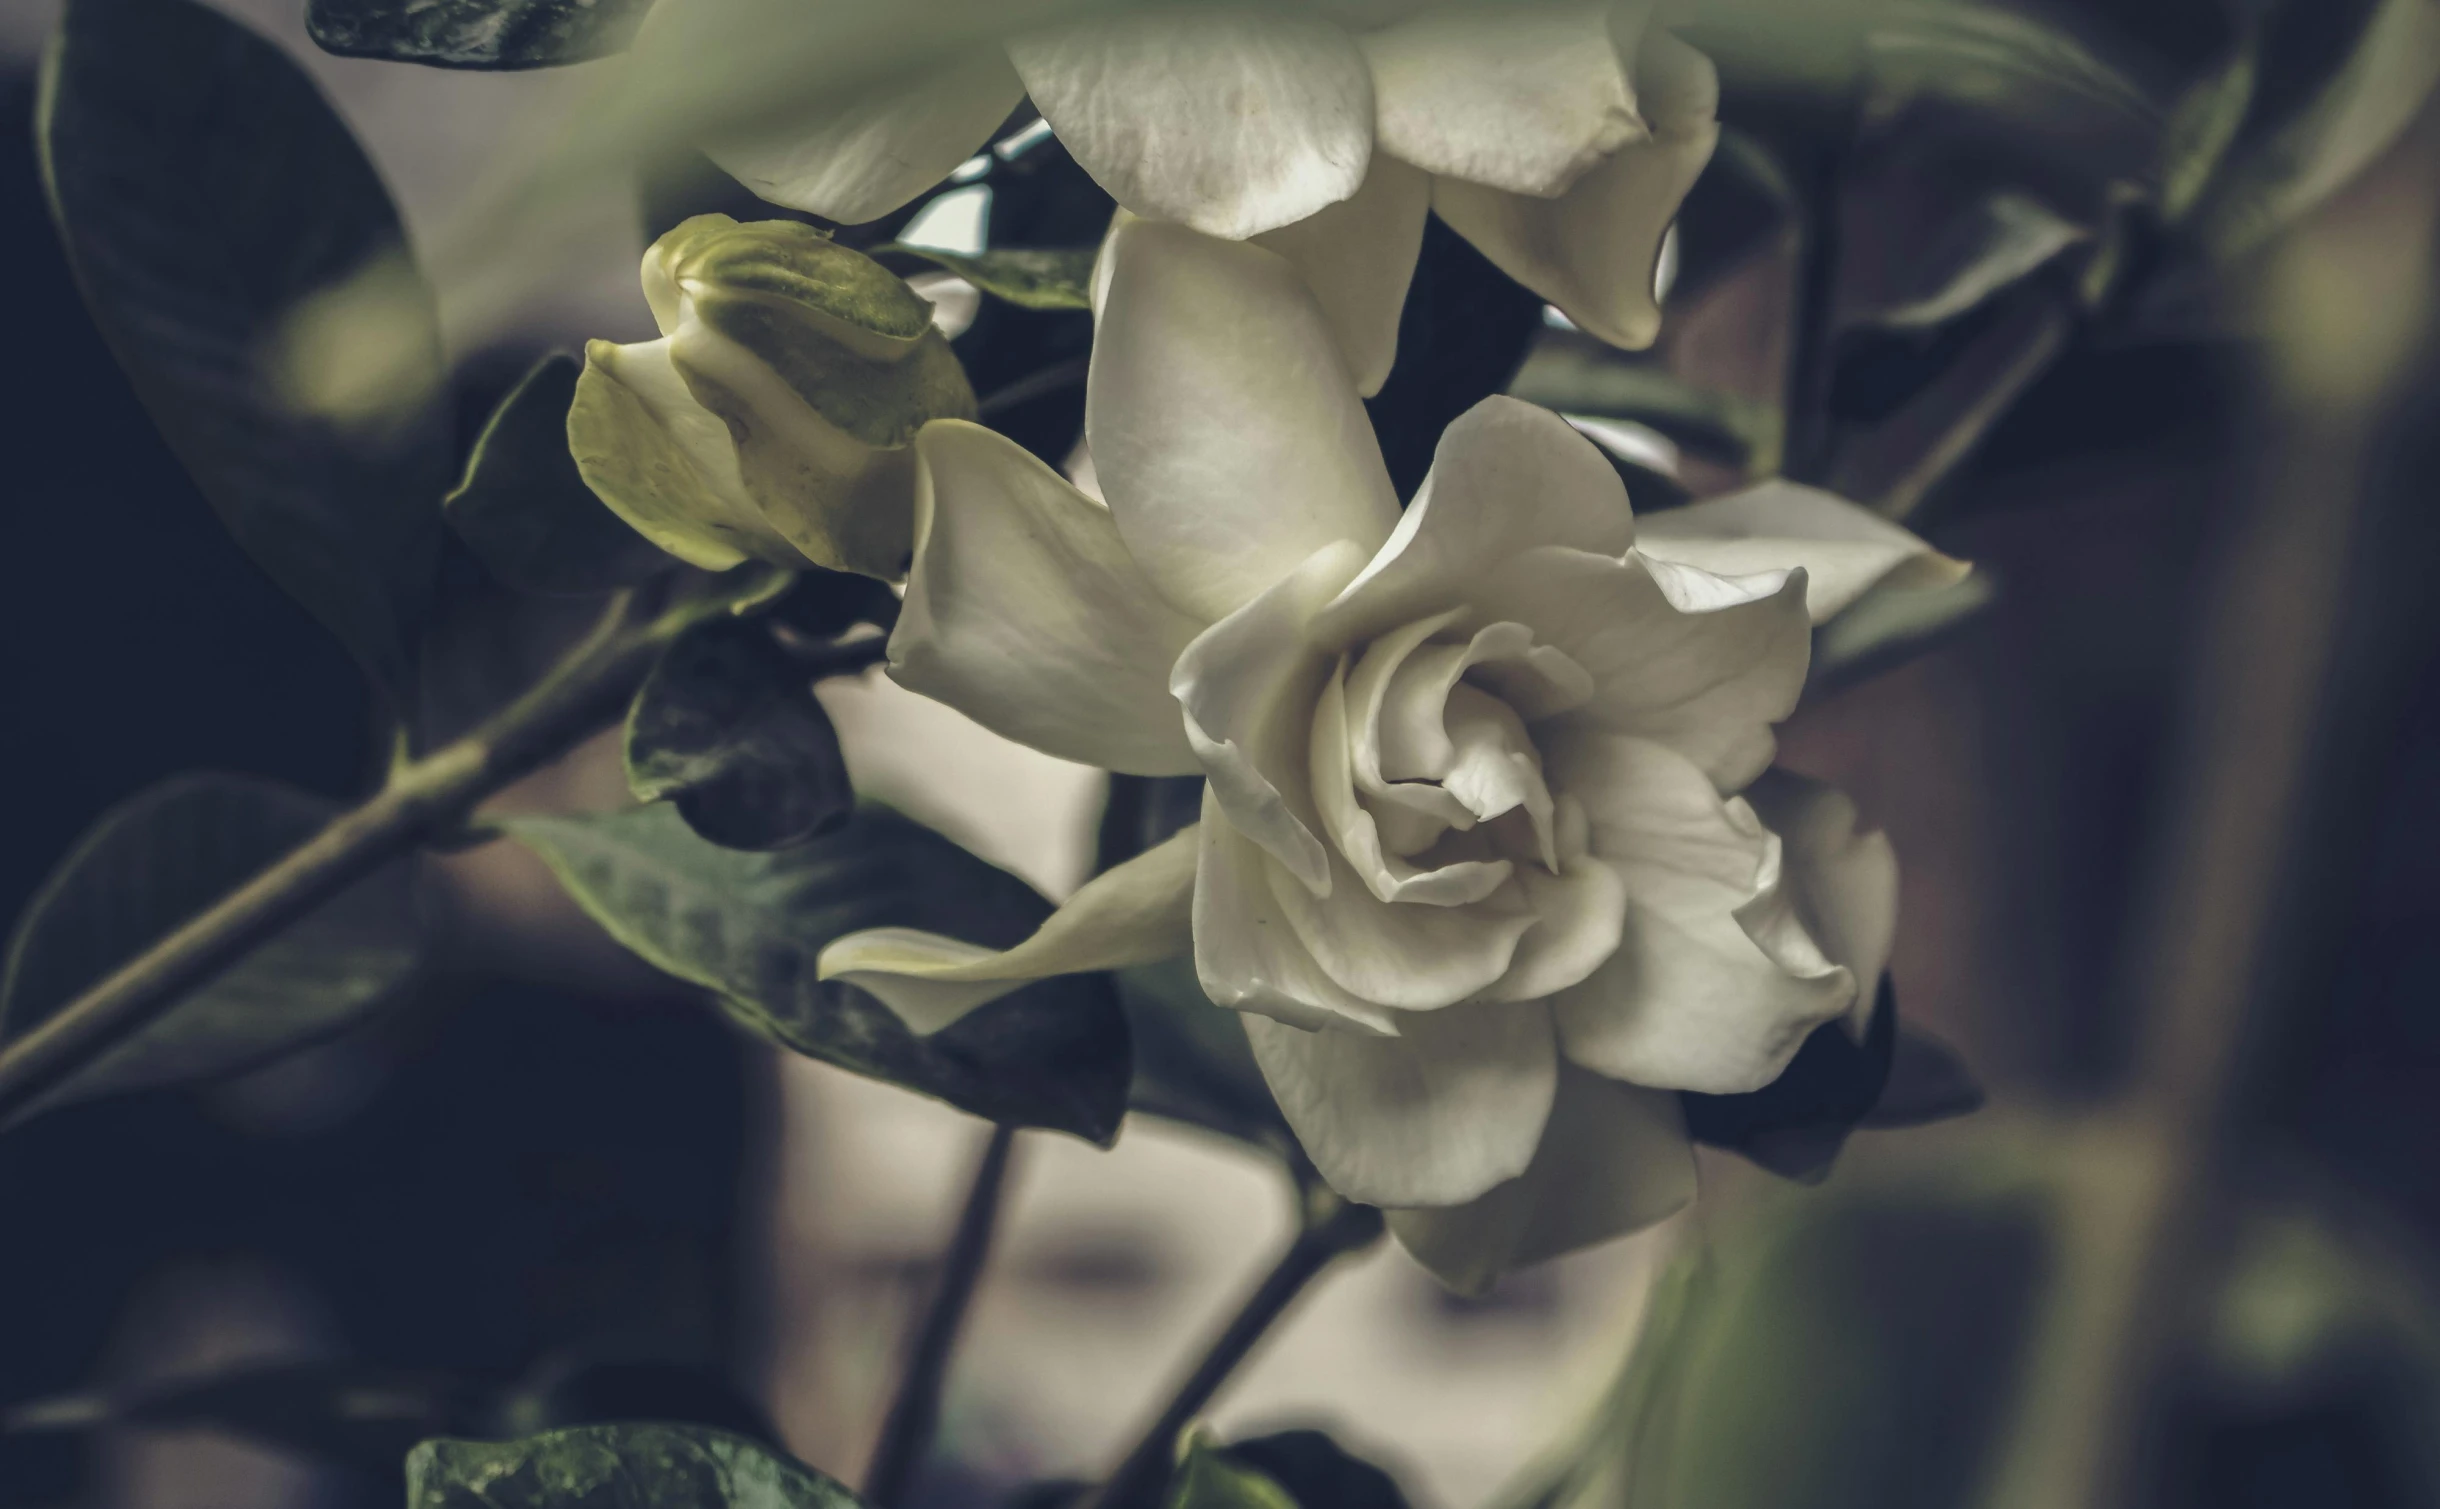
1192 1062
749 927
1028 277
485 34
726 727
525 512
157 860
641 1466
249 271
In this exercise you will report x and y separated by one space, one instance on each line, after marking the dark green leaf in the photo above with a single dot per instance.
1210 1478
749 927
1581 376
1029 277
1795 1125
2298 161
1890 626
205 191
726 726
616 1467
526 513
1192 1062
1992 244
2205 124
826 604
1317 1472
157 860
1928 1082
489 34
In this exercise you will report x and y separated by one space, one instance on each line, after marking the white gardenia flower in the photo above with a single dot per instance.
1559 139
1491 857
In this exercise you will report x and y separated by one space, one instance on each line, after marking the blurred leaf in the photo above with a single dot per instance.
727 727
206 191
749 927
2268 182
527 514
1192 1062
1928 1082
1998 241
1796 1125
1210 1478
2205 124
826 604
1581 377
1317 1472
349 1412
487 34
1856 1349
157 860
1028 277
616 1467
1890 626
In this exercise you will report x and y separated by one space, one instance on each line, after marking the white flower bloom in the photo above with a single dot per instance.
1491 856
1558 138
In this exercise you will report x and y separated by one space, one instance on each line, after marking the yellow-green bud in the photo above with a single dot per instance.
775 416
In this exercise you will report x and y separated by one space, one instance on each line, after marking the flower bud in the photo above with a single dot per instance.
775 416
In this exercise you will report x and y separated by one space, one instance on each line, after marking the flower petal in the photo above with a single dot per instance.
663 462
1593 250
1025 612
1246 955
1614 1159
1580 914
1507 477
1135 913
1519 97
1223 424
1353 828
1229 122
1843 884
1715 983
1846 550
858 158
1709 684
1247 686
1417 958
1435 1116
1358 256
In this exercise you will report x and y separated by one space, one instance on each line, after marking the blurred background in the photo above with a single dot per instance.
2169 817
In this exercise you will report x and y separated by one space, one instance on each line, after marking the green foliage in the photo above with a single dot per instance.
1028 277
486 34
1209 1478
616 1467
749 927
1192 1062
1891 625
157 860
727 727
525 512
248 269
1583 377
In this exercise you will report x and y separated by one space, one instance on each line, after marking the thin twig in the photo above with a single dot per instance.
1333 1228
588 689
906 1434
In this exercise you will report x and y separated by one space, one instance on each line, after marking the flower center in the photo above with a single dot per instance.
1424 764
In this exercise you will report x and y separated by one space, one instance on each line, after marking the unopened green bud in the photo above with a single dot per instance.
775 416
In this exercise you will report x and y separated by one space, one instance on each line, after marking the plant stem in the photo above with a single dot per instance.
906 1435
1332 1229
586 690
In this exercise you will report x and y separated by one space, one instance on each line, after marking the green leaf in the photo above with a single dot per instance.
2205 124
1209 1478
1584 378
525 512
1891 625
749 927
616 1467
726 725
1993 244
159 859
486 34
249 270
1028 277
2296 163
1192 1061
